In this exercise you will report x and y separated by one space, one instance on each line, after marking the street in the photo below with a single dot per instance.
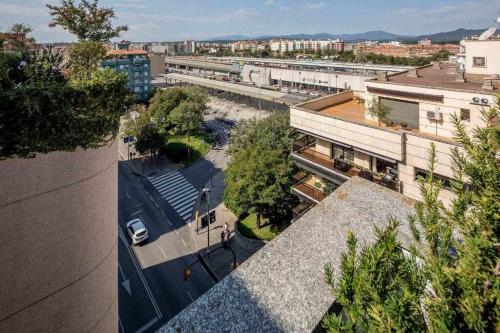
151 285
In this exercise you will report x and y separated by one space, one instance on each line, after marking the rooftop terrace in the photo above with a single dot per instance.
442 77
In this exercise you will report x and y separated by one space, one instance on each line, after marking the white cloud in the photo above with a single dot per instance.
269 2
314 5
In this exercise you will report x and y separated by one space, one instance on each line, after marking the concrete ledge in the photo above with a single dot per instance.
282 288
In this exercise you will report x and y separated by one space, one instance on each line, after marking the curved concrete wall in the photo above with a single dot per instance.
58 242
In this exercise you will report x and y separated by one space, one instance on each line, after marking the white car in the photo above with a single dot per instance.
304 92
137 231
285 90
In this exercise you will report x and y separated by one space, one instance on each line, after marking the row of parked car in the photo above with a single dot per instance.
287 90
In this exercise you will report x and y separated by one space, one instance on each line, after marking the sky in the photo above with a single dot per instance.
164 20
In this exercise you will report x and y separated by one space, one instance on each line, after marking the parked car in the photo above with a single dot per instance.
314 93
303 92
137 231
295 91
285 90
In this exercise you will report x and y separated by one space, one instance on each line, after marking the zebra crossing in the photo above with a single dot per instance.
178 192
217 126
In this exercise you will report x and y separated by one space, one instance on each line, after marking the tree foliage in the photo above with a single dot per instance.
187 117
179 107
84 57
19 37
41 111
138 116
87 20
258 178
149 140
378 110
448 281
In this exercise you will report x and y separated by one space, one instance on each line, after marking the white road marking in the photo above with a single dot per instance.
161 249
148 325
128 195
177 191
121 325
141 276
190 297
125 282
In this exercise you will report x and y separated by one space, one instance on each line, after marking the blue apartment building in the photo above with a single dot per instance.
137 65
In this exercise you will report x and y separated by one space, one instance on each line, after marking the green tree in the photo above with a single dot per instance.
84 57
19 37
378 110
87 20
149 140
448 280
259 176
187 117
138 116
165 101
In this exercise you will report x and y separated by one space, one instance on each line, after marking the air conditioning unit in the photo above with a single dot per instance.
432 115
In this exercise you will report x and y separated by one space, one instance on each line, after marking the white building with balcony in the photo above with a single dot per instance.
338 138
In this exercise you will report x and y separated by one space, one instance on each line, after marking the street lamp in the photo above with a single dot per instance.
207 193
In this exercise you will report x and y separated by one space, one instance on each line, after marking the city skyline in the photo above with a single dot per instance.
153 20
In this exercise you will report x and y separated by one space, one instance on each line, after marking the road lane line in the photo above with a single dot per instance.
141 276
148 325
163 252
128 195
190 297
121 325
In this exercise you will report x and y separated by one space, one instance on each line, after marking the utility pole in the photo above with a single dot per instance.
207 191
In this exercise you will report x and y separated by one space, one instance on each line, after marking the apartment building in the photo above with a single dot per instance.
424 48
306 45
136 64
336 137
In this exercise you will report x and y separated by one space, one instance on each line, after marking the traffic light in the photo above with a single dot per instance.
204 221
187 273
212 216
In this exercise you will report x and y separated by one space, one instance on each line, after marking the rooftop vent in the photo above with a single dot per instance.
413 73
488 84
460 77
382 76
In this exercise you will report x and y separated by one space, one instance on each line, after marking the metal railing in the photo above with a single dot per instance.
341 166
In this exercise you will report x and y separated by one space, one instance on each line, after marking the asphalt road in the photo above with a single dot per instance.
152 289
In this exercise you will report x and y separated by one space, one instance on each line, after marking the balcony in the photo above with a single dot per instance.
301 209
305 189
307 157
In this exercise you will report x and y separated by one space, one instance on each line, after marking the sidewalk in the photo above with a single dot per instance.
159 166
219 262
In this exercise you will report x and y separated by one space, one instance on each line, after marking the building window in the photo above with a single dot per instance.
465 114
479 61
445 181
343 153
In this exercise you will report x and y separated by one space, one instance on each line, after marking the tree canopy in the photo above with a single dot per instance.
165 101
87 20
149 140
258 178
42 111
448 280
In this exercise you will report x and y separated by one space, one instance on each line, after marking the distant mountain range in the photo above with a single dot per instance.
379 35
